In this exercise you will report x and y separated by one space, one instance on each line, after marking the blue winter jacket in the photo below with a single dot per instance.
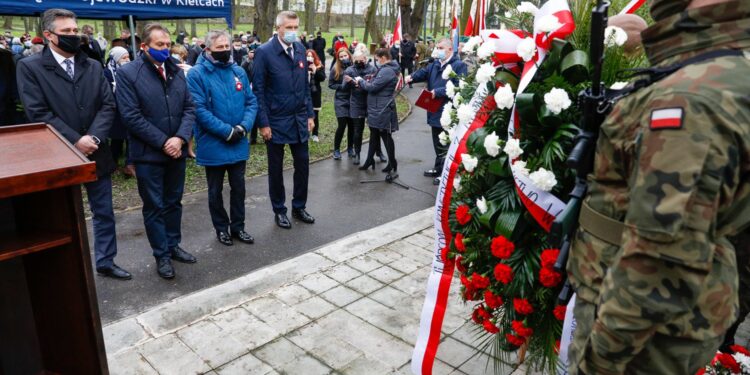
281 85
223 98
433 74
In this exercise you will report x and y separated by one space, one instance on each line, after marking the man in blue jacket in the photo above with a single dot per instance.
433 75
156 108
225 109
285 114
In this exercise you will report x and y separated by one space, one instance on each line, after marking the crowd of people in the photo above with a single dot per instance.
158 101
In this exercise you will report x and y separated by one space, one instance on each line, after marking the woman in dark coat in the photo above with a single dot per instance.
336 81
381 108
316 74
358 103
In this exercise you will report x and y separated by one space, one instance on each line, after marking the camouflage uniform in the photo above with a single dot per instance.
660 300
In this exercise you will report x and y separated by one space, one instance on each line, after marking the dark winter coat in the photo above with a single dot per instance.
358 97
281 86
83 105
319 46
381 106
433 75
154 110
343 92
315 90
118 130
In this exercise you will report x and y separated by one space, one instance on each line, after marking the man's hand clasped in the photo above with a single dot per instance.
173 147
266 133
86 145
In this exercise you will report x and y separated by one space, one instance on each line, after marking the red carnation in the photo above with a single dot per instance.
490 327
522 306
559 312
484 313
479 282
549 277
727 361
520 329
492 300
460 265
549 257
502 247
444 254
476 317
740 349
465 281
463 216
701 371
459 242
503 273
515 340
470 294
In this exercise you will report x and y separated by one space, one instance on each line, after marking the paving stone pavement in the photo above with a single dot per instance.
350 307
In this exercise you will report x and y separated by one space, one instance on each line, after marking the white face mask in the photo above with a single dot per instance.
310 59
176 57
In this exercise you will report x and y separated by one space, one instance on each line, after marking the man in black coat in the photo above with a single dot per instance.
64 88
408 53
195 51
156 107
92 49
319 46
8 90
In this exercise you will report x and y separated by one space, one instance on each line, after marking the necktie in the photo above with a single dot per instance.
290 53
161 72
69 67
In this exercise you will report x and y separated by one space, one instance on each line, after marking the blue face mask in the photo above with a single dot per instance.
159 55
290 37
440 54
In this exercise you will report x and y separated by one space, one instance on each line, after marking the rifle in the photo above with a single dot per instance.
581 159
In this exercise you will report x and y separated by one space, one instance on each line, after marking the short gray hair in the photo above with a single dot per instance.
213 35
50 15
446 41
285 15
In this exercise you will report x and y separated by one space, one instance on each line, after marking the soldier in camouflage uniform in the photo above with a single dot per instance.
654 271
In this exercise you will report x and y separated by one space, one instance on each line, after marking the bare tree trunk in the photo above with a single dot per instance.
412 18
371 24
109 30
264 17
8 24
327 18
285 4
310 10
465 10
193 28
437 17
235 13
179 26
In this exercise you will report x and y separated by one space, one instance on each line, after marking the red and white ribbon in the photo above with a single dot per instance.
505 43
632 6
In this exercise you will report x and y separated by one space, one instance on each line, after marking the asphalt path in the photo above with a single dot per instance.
340 203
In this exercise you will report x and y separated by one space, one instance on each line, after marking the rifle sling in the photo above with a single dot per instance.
601 226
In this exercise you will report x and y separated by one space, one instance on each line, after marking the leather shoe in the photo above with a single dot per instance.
431 173
436 181
182 256
303 216
283 221
244 237
115 272
164 268
224 238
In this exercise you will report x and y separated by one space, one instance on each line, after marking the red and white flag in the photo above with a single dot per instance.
397 35
667 118
454 28
476 22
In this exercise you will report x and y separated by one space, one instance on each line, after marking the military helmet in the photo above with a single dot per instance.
661 9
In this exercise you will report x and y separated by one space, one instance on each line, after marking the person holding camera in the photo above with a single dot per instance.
225 112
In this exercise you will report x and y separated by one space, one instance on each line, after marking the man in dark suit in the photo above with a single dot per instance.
158 111
319 46
64 88
195 51
92 49
285 114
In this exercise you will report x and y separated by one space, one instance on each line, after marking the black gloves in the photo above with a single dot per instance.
238 132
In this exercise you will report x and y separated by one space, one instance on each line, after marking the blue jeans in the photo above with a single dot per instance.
160 186
105 238
301 156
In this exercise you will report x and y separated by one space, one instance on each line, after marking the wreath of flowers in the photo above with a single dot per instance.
729 364
502 254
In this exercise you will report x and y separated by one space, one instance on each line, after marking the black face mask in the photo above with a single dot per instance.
359 64
69 43
221 56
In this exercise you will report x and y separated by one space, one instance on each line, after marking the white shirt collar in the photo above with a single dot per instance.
60 58
284 45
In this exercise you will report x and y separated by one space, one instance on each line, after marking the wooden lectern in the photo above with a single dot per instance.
49 317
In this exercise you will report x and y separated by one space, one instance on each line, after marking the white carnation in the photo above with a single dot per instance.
465 114
461 84
548 23
471 44
527 7
444 138
508 14
744 362
457 100
526 49
450 89
618 85
446 120
469 162
482 205
519 167
543 179
513 148
485 73
457 184
491 144
504 97
557 100
615 36
447 72
486 50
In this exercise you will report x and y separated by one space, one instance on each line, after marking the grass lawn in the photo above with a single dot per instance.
125 192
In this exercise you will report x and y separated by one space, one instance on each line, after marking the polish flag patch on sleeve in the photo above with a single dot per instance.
667 118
